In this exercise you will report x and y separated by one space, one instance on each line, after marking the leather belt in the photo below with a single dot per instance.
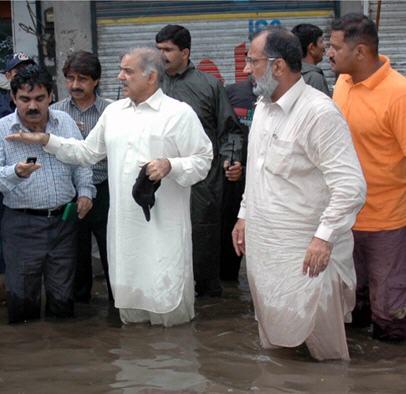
42 212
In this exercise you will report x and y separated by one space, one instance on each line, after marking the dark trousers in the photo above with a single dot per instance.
380 264
2 265
230 263
94 222
206 201
36 247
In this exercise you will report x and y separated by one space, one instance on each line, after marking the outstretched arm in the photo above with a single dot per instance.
69 150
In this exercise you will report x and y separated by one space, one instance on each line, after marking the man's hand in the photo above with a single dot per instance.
84 204
158 169
238 235
24 170
29 138
234 172
317 257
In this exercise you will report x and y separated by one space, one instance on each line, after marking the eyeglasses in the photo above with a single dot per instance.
254 62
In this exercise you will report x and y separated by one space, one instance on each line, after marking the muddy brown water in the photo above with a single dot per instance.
217 353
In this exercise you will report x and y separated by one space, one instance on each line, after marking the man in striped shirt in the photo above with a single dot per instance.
82 71
37 188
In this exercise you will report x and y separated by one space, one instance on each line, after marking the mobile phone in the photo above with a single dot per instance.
31 159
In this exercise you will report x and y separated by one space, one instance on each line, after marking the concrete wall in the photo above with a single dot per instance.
23 41
72 32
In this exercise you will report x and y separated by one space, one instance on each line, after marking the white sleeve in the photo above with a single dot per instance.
331 149
84 152
194 148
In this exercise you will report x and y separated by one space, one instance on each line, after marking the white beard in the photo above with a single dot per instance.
266 85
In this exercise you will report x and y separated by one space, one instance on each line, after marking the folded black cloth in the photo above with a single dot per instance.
144 192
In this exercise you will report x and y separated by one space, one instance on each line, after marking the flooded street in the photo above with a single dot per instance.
218 353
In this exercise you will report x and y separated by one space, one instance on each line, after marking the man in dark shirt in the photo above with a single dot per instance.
311 41
243 101
16 62
208 98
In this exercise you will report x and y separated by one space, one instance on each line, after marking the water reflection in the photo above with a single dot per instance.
218 353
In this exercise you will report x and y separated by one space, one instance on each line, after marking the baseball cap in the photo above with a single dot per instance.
16 59
144 192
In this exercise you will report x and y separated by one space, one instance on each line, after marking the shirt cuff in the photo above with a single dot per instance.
176 167
241 213
86 192
325 233
11 176
54 143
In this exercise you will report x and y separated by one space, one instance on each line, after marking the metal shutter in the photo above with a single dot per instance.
220 30
392 29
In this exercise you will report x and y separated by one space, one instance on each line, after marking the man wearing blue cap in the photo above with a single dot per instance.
15 63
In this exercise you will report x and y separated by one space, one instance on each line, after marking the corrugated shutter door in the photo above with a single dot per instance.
392 28
220 31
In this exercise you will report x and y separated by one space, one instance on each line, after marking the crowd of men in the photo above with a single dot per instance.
174 194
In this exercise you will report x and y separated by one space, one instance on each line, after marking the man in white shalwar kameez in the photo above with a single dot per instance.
150 263
304 188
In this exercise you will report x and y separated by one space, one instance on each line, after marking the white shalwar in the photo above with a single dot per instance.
150 263
303 180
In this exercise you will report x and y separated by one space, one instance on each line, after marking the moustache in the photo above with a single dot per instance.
77 90
33 112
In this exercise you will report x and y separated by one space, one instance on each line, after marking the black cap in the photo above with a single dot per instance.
144 192
16 59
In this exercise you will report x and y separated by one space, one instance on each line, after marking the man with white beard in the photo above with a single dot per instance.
303 190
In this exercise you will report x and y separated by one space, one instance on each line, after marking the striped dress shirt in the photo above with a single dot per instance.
86 120
55 183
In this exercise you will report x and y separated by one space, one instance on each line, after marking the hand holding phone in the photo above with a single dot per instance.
25 169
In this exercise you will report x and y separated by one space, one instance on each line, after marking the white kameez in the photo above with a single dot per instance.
150 263
303 180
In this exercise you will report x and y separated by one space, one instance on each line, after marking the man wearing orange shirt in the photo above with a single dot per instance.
372 97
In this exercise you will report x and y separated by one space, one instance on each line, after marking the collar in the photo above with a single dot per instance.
189 67
289 98
307 67
154 101
374 79
17 124
97 104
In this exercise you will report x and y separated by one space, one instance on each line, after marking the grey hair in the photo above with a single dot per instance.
150 59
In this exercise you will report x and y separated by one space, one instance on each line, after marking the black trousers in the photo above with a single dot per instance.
36 247
206 201
230 263
2 265
94 222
